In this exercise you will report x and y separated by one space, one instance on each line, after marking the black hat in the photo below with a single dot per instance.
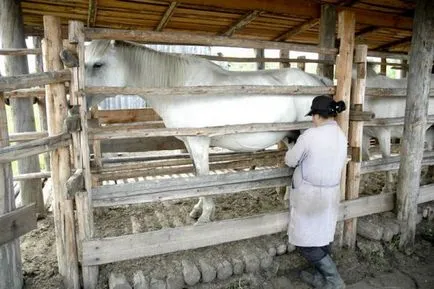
324 105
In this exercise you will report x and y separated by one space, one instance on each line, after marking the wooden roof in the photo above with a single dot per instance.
385 25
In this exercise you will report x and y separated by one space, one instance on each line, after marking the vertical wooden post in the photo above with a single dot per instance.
344 64
260 53
355 139
12 36
404 68
301 65
383 66
284 53
83 200
11 275
60 158
421 57
41 102
327 38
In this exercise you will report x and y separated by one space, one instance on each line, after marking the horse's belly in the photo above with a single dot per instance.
226 110
248 142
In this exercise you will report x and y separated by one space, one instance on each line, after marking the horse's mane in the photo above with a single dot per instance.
162 68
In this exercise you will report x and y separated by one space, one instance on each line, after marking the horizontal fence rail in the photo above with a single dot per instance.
35 147
180 188
33 79
213 90
391 163
114 249
197 39
25 93
19 51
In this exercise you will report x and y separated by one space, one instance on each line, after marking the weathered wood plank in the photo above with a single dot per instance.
355 140
392 163
166 17
75 184
156 186
242 22
35 147
26 136
33 79
297 30
126 115
197 39
213 90
17 223
19 51
64 219
113 249
40 175
327 38
24 93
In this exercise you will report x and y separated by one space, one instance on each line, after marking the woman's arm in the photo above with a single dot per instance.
295 154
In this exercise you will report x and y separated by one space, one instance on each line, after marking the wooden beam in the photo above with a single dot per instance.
242 22
265 59
327 39
355 140
117 132
166 17
33 79
35 147
64 217
367 30
346 27
40 175
115 249
213 90
197 39
391 163
297 29
421 58
393 44
126 115
26 136
17 223
81 152
91 14
20 51
29 92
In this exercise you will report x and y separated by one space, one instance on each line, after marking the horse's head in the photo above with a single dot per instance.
103 65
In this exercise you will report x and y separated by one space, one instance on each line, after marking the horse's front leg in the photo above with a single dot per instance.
384 140
198 149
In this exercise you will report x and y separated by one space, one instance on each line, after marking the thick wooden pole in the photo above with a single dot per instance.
41 101
421 58
327 38
355 139
60 158
11 276
81 146
12 36
301 65
260 53
284 53
344 64
383 66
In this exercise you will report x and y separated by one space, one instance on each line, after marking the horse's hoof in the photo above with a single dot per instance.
202 221
194 214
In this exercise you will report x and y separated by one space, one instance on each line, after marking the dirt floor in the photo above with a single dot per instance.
379 266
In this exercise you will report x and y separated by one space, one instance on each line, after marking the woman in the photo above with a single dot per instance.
318 156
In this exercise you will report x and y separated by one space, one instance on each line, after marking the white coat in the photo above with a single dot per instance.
318 156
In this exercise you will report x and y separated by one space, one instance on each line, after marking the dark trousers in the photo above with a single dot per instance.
314 254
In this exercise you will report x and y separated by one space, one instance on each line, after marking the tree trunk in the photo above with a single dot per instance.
419 78
12 36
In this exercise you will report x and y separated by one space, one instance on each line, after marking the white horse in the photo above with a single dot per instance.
388 107
114 63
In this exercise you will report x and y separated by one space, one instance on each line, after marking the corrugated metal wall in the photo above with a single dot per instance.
133 101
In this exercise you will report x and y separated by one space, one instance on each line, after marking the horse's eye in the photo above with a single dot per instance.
97 65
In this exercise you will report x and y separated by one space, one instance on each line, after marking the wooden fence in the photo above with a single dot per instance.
87 193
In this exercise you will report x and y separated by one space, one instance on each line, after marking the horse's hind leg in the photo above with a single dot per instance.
198 149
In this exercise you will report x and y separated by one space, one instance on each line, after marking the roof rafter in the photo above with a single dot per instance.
242 22
297 29
369 29
395 43
91 15
166 17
